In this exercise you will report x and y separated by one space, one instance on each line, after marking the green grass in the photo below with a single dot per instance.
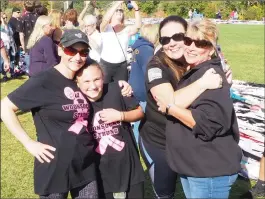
243 46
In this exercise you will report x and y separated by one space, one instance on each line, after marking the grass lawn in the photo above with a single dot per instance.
243 46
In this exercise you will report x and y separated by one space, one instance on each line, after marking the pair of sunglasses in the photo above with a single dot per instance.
72 52
198 43
175 37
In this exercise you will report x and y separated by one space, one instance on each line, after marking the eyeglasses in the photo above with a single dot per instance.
175 37
198 43
119 10
72 52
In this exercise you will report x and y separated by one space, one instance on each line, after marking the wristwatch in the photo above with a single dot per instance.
168 107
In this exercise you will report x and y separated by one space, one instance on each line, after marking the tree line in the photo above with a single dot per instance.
247 9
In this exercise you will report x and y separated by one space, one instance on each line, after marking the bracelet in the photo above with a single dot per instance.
137 9
122 116
168 107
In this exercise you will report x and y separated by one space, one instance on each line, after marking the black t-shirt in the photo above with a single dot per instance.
14 24
153 127
119 164
210 148
60 113
26 25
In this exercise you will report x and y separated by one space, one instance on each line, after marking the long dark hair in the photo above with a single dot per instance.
177 66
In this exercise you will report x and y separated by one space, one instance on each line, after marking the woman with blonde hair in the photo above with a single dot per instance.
115 38
43 54
57 17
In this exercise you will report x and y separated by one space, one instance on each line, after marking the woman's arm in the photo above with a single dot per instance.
112 115
185 96
138 20
5 58
82 14
10 119
107 17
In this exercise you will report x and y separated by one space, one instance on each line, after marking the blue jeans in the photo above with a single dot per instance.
136 125
27 61
216 187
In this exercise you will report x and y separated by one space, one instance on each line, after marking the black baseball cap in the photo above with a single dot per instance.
73 36
15 9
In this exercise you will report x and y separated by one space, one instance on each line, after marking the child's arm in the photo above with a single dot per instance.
111 115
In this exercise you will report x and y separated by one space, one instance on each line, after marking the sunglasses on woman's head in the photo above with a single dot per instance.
72 52
198 43
175 37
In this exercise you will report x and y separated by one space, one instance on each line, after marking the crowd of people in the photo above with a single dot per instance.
177 100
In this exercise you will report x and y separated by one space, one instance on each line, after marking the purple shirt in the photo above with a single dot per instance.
43 55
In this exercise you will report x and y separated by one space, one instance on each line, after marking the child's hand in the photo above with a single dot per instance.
126 90
110 115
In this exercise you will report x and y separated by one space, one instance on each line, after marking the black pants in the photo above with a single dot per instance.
135 191
84 192
162 176
114 72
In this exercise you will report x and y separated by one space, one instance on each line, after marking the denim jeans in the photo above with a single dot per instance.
27 62
216 187
136 124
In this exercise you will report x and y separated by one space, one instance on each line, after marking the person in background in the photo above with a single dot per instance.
190 14
143 50
89 9
9 43
56 16
115 37
208 126
42 10
119 163
42 49
13 23
95 40
235 15
25 28
88 24
70 19
4 61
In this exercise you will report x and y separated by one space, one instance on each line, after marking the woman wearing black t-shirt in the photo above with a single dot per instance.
163 72
119 164
64 150
202 141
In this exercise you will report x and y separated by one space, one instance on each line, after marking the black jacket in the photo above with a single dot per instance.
211 148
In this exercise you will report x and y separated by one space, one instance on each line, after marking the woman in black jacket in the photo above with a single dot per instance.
201 141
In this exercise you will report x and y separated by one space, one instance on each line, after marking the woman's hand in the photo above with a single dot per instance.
126 90
211 80
40 151
110 115
162 106
134 4
228 74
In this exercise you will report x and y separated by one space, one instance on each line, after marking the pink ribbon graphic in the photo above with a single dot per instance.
78 125
109 141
